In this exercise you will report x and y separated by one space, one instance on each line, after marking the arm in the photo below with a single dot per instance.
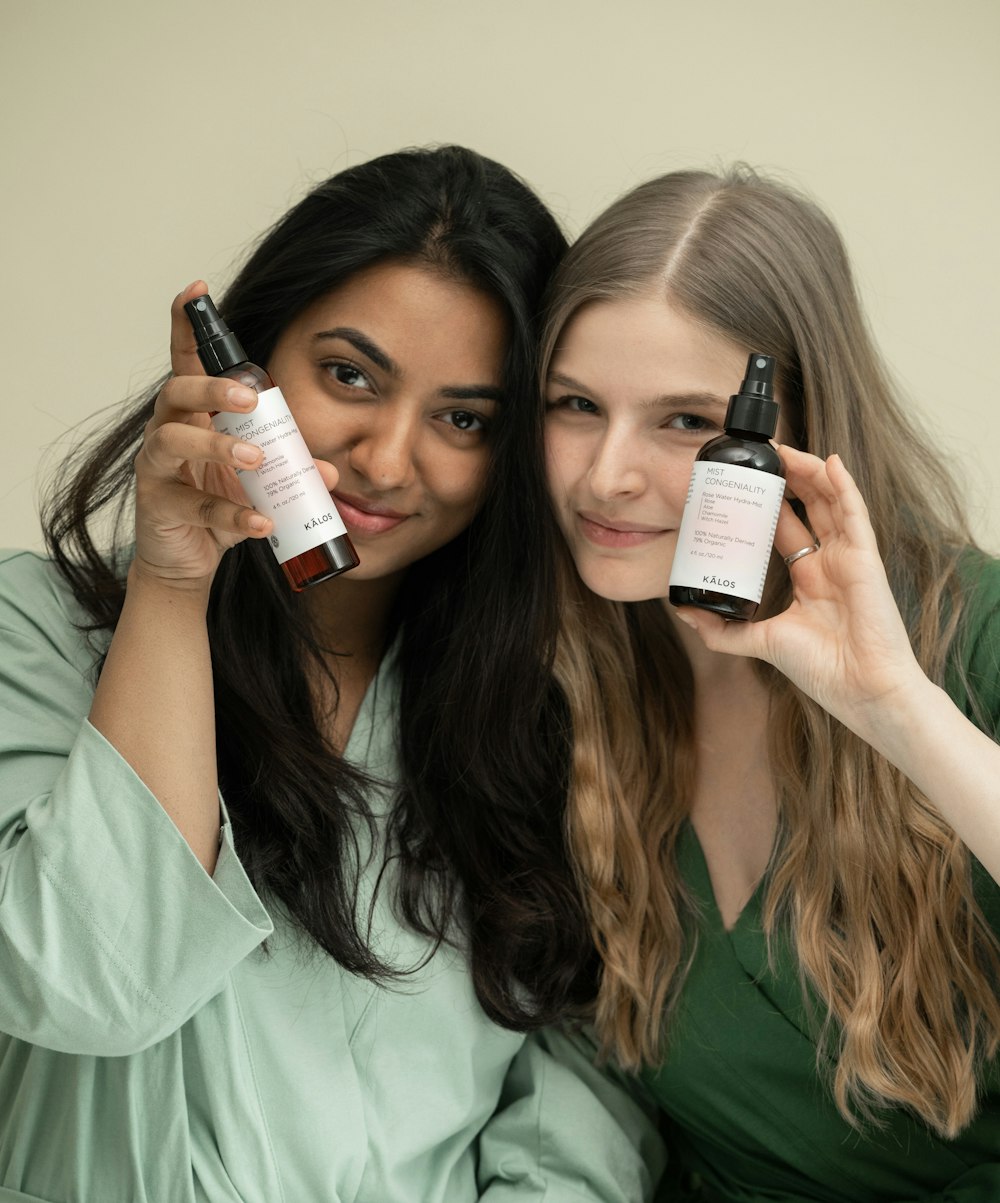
111 932
951 761
154 697
843 643
154 704
567 1131
155 694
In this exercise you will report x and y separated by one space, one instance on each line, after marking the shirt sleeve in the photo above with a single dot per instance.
568 1131
111 933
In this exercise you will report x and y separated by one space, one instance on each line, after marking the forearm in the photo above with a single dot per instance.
952 762
154 703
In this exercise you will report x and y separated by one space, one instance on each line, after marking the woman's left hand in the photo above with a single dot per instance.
843 643
842 640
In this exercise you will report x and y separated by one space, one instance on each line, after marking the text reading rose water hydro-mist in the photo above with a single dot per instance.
309 539
727 528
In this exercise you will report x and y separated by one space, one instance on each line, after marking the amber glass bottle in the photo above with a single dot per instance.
309 539
727 528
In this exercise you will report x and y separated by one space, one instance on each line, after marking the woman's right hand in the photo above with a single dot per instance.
190 505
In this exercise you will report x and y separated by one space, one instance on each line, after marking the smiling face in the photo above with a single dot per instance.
394 377
635 388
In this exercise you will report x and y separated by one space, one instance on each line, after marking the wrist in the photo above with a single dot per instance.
901 728
146 581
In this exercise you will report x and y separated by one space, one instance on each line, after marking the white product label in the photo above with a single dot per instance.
287 487
727 529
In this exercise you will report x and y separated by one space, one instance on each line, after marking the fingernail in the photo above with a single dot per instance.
246 453
256 522
686 619
241 397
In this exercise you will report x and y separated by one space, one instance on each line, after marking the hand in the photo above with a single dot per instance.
190 505
842 640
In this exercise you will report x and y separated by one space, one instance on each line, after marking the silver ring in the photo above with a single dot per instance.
803 551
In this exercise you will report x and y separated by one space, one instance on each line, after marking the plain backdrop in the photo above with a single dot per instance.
146 145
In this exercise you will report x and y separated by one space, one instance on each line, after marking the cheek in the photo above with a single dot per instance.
562 463
313 421
458 480
677 480
674 475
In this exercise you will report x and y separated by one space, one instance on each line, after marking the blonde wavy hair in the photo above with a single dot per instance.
869 884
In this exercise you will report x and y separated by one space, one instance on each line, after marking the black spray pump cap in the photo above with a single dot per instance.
218 347
753 409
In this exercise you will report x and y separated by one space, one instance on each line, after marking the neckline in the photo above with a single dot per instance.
706 892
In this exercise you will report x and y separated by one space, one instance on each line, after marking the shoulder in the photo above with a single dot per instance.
979 574
975 683
32 590
38 609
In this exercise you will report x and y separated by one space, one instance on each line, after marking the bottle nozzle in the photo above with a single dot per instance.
753 409
218 347
205 318
759 380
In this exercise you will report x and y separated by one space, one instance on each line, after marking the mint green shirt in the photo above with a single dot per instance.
150 1052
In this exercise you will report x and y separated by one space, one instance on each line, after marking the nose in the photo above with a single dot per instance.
617 469
383 450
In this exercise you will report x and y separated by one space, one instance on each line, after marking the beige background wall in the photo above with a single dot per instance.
144 145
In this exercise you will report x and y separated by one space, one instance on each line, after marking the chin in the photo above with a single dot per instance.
616 583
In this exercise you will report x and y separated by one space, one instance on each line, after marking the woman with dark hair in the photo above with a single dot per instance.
282 878
787 829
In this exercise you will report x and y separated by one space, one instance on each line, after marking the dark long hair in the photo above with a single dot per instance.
478 824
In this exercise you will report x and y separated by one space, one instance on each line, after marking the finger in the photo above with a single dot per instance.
808 479
328 472
180 505
184 359
167 447
791 534
807 473
854 513
183 396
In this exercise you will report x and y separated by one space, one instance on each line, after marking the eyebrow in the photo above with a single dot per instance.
362 343
372 351
472 392
697 400
687 400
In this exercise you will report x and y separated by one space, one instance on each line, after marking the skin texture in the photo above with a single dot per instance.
635 390
404 422
409 449
631 385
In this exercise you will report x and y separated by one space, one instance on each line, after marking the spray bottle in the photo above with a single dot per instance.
309 539
727 528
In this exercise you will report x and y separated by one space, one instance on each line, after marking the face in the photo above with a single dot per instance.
394 377
634 390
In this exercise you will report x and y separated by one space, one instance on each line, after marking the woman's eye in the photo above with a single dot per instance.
691 423
464 420
349 376
577 405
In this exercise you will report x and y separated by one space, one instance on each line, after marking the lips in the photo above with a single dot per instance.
367 517
614 532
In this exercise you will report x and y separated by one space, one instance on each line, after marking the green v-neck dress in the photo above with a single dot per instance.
748 1118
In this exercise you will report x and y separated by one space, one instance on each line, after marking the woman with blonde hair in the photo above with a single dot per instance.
787 830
